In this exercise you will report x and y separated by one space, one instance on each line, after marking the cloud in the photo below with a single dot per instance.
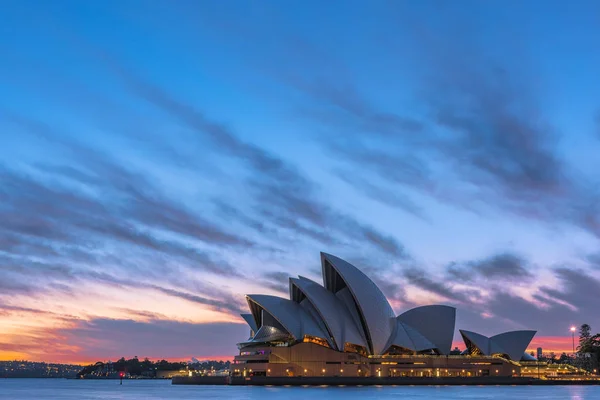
577 287
137 315
276 280
31 278
105 339
177 339
392 197
218 305
347 106
422 280
478 138
10 285
86 214
471 283
501 292
282 194
33 312
90 217
156 192
502 267
486 296
594 260
216 298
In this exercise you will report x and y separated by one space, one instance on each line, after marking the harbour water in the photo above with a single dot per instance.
63 389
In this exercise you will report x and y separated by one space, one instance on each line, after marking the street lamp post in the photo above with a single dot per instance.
573 336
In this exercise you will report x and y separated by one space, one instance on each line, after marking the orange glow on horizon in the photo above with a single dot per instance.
553 344
45 335
549 344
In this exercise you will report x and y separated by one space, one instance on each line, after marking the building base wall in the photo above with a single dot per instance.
311 360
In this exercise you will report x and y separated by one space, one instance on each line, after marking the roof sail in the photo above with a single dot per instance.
377 319
476 343
336 318
512 344
435 322
250 321
350 313
285 314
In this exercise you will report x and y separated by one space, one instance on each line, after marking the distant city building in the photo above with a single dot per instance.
346 327
539 352
30 369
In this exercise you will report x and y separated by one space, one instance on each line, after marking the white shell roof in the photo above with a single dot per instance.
289 314
435 322
478 340
268 334
409 338
350 308
250 321
312 311
345 297
528 357
334 314
512 343
373 307
401 338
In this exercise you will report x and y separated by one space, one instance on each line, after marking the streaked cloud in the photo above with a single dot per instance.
152 173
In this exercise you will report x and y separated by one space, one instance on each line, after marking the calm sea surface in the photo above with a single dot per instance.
26 389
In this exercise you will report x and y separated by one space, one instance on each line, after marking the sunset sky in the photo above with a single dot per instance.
160 159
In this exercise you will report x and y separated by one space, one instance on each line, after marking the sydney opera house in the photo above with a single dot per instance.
346 327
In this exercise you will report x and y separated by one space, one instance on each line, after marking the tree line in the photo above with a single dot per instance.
136 367
588 350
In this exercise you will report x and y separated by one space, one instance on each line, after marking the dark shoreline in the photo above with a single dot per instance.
372 381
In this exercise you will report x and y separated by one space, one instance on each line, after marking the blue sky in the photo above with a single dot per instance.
161 159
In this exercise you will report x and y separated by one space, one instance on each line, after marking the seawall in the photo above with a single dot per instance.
369 381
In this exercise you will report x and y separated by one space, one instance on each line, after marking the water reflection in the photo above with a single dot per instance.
55 389
577 392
